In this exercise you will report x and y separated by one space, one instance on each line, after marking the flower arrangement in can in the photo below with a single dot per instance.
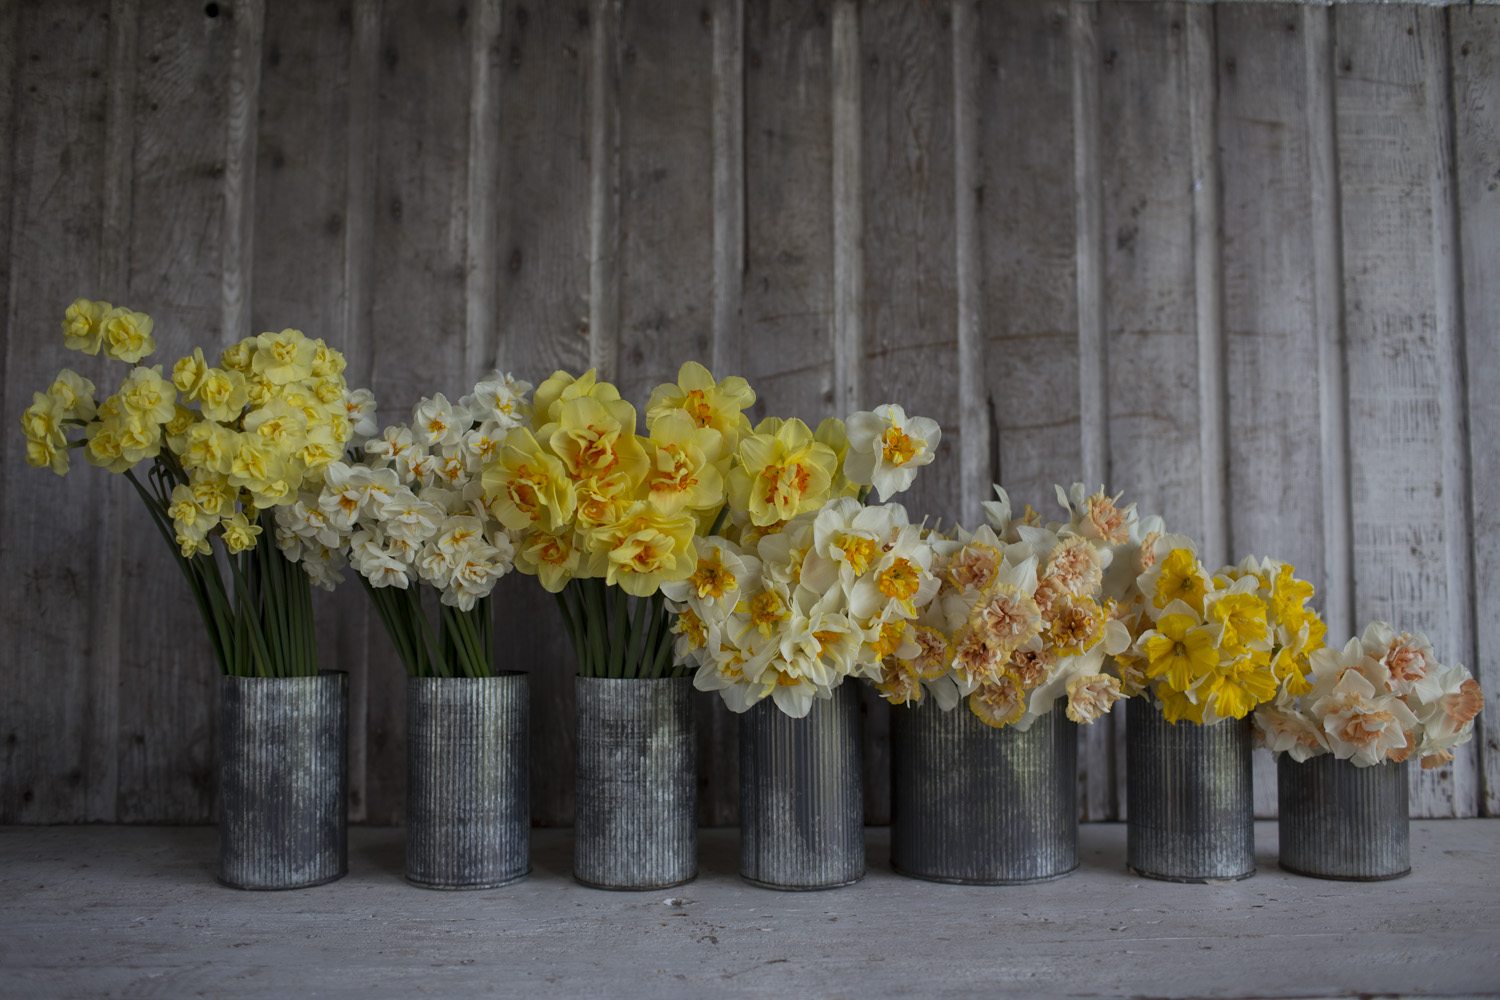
1383 697
803 585
223 446
1209 647
409 515
1021 618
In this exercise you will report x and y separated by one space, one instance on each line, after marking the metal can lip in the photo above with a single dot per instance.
786 887
633 680
281 888
950 880
465 886
640 887
1343 878
1191 879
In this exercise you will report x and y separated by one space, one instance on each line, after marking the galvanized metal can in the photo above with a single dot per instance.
976 805
636 825
1191 810
283 777
1343 822
801 804
468 809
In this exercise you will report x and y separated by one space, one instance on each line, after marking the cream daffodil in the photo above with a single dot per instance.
886 448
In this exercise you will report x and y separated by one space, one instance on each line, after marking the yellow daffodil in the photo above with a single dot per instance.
237 357
1182 579
717 405
683 472
147 396
595 439
83 325
647 548
1238 686
561 387
781 474
1176 707
73 394
210 447
528 487
127 335
239 532
1243 618
1180 651
283 357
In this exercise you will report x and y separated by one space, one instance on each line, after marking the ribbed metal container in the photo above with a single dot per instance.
1343 822
977 805
283 776
468 809
1191 812
801 804
636 825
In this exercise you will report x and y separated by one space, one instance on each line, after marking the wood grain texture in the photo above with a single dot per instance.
176 250
1397 346
1021 217
420 148
1474 51
541 324
300 268
1274 498
60 695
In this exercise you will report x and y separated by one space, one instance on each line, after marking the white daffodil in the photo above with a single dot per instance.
359 407
1284 729
886 448
436 422
499 399
406 516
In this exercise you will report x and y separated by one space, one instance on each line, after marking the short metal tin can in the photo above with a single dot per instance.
468 811
1340 821
801 803
283 777
1191 809
978 805
636 825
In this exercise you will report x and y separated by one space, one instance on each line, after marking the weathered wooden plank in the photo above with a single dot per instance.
58 703
848 210
1327 266
176 251
1274 495
667 167
1150 318
542 324
1398 344
604 189
1101 747
1474 50
976 459
301 225
729 182
787 348
910 322
421 150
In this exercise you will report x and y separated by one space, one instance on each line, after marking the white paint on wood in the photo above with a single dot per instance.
77 919
729 185
1452 385
1338 591
1093 356
237 271
481 257
848 212
1208 285
604 190
1474 54
976 451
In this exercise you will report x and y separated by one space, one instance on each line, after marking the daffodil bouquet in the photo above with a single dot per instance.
223 446
1383 697
1021 619
806 588
1210 647
410 516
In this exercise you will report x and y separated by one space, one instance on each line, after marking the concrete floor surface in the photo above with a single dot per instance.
134 912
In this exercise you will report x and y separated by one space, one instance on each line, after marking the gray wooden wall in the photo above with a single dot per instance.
1238 260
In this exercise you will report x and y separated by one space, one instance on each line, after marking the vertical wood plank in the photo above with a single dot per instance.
236 279
59 702
481 241
976 463
1101 751
420 284
1273 391
541 325
1327 269
1150 318
729 183
1400 341
177 247
1474 51
848 210
301 220
910 321
604 190
666 133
